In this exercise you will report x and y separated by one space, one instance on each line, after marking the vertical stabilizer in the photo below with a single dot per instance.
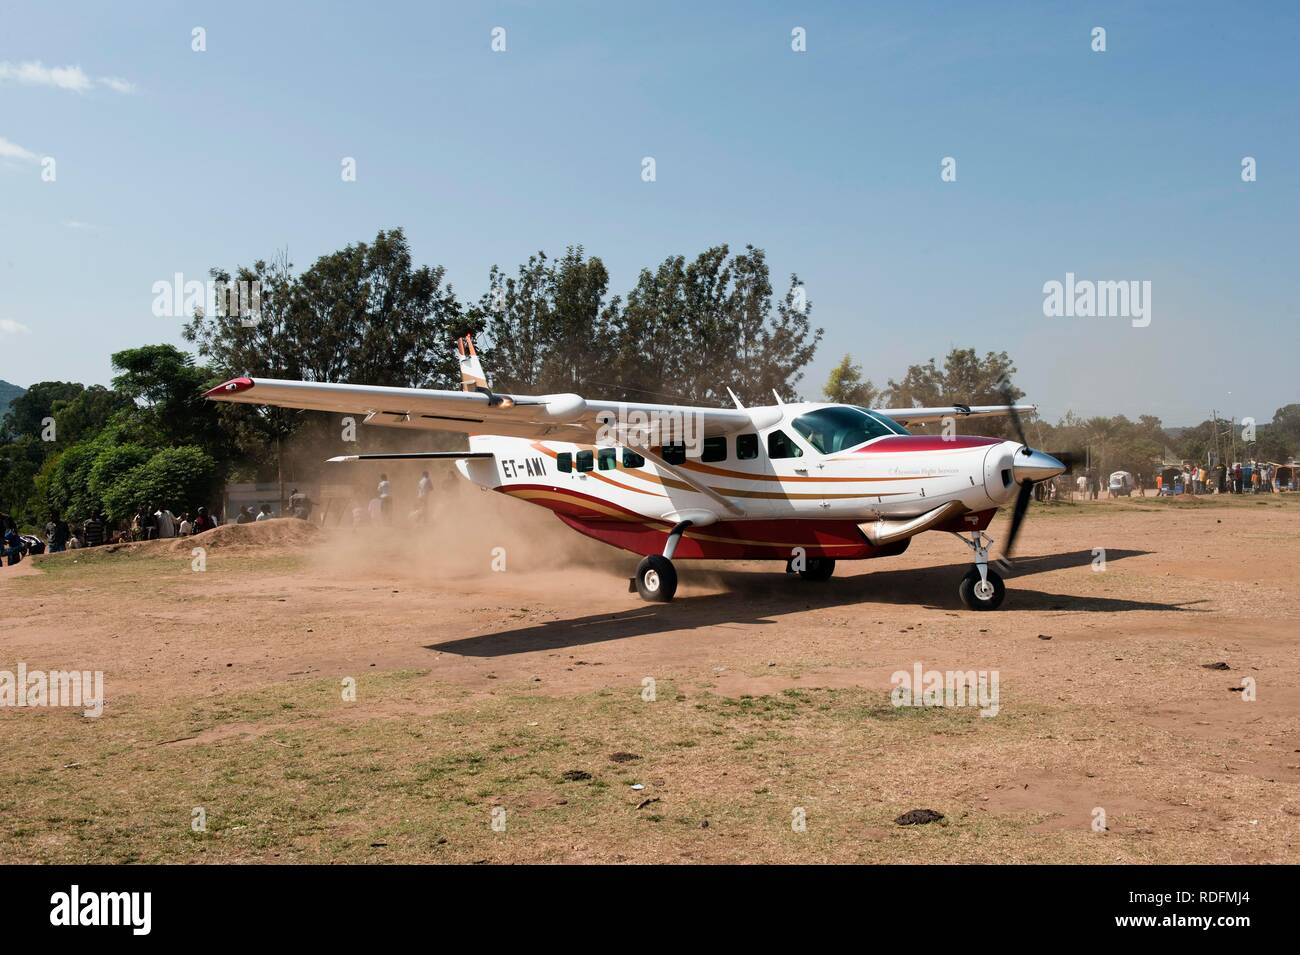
471 372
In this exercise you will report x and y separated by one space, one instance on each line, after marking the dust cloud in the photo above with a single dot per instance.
468 533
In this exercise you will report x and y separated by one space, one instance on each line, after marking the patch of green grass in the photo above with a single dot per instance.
292 772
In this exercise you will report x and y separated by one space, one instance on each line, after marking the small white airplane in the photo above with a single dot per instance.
807 483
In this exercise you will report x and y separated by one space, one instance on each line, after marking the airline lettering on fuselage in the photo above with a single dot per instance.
528 467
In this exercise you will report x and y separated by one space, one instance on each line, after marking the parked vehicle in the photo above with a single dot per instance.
1121 484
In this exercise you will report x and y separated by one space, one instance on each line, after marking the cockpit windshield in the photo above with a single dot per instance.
841 427
887 421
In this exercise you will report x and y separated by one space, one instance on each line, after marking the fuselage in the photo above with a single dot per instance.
810 479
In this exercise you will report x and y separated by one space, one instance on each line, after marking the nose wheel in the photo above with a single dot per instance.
982 587
977 594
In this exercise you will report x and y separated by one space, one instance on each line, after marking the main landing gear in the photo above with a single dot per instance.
656 577
814 568
981 588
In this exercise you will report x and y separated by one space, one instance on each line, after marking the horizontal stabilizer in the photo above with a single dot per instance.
411 456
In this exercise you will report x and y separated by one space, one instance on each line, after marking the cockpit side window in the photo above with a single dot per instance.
779 445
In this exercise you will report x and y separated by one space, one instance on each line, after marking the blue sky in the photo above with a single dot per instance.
1122 165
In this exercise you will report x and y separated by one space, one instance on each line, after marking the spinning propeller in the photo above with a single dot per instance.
1028 468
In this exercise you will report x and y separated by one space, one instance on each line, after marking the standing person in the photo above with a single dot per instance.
11 545
264 514
385 491
166 522
300 505
148 525
95 529
422 493
187 527
243 517
203 522
57 533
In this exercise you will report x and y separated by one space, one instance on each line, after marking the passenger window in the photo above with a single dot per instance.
605 459
585 460
779 445
746 446
715 449
564 461
632 460
674 453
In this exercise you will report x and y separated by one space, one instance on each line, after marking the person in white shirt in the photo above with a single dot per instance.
422 493
385 499
265 513
186 528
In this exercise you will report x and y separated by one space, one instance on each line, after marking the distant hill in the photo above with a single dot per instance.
8 393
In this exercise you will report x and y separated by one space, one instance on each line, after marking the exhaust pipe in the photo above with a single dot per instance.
886 532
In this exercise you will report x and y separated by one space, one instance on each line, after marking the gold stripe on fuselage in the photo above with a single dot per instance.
667 482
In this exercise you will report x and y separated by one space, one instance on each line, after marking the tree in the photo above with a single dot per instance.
691 331
179 478
964 379
548 328
364 314
846 385
88 413
164 381
27 412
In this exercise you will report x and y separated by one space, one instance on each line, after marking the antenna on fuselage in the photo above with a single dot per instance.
739 406
778 398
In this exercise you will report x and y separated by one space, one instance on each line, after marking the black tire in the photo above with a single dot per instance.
971 597
656 579
818 568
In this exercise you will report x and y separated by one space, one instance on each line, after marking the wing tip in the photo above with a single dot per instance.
233 386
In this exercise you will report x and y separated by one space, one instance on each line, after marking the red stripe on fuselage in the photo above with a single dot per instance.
927 442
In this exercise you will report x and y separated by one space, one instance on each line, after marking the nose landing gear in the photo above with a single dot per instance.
981 588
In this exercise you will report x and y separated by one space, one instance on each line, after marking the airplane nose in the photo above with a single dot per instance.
1031 465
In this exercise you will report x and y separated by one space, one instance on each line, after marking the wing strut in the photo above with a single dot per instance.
410 456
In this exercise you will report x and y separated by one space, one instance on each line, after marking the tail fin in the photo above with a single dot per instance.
471 372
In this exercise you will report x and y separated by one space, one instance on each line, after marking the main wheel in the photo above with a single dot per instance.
656 579
818 568
977 595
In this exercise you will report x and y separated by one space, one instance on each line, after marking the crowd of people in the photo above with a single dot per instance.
1248 478
147 523
379 510
1251 477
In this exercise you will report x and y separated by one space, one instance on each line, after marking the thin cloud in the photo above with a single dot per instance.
117 84
73 78
83 226
9 327
10 150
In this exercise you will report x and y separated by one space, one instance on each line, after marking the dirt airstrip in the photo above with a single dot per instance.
417 694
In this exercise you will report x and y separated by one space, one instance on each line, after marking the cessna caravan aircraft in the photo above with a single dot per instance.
806 483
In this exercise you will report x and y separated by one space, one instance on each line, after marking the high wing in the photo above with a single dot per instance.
909 416
562 417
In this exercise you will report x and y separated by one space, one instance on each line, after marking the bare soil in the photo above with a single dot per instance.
541 694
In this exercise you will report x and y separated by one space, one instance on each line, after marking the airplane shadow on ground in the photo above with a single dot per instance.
761 598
